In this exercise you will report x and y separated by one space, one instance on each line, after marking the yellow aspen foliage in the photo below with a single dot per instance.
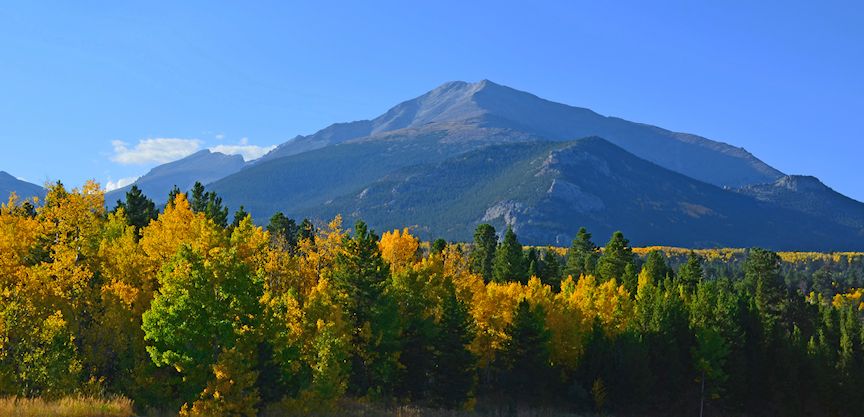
399 248
318 255
493 310
18 233
179 225
129 274
457 268
326 348
231 391
852 297
252 244
40 344
607 301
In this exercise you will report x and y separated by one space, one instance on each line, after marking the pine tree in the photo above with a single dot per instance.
438 246
524 363
551 270
763 280
239 215
582 255
532 261
483 253
306 230
199 199
210 204
361 273
139 209
691 274
172 195
509 261
616 256
283 232
454 375
655 267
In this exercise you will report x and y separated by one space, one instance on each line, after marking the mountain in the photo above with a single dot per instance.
547 190
204 166
464 154
24 189
468 111
807 194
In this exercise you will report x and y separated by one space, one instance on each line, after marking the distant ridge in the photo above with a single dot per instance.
204 166
485 104
468 153
23 189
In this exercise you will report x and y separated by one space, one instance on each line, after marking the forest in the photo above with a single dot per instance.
187 310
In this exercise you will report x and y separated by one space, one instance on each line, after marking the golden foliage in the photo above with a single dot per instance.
399 249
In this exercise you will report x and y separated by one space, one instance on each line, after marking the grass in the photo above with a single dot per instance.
66 407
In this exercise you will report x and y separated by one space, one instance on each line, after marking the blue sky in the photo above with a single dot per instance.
100 89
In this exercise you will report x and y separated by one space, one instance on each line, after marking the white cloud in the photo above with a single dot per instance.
122 182
158 150
249 152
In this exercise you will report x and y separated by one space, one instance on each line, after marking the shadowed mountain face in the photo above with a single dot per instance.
807 194
465 154
471 108
204 166
23 189
547 190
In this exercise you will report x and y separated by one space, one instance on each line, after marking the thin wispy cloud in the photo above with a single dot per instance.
122 182
249 152
153 150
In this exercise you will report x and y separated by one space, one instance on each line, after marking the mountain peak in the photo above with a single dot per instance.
801 183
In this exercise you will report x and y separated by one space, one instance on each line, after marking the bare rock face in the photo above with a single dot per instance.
509 211
573 196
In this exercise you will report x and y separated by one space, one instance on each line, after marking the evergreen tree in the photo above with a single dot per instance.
483 253
306 230
139 209
691 274
283 232
210 204
199 199
616 256
361 274
172 195
509 262
655 267
454 375
582 255
551 270
438 245
762 279
532 260
239 215
524 364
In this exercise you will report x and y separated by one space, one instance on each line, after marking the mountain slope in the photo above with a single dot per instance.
809 195
204 166
547 190
471 107
24 189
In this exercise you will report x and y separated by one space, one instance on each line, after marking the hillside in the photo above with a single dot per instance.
469 108
204 166
547 190
809 195
24 189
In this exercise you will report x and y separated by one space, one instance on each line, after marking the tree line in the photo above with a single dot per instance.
180 308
